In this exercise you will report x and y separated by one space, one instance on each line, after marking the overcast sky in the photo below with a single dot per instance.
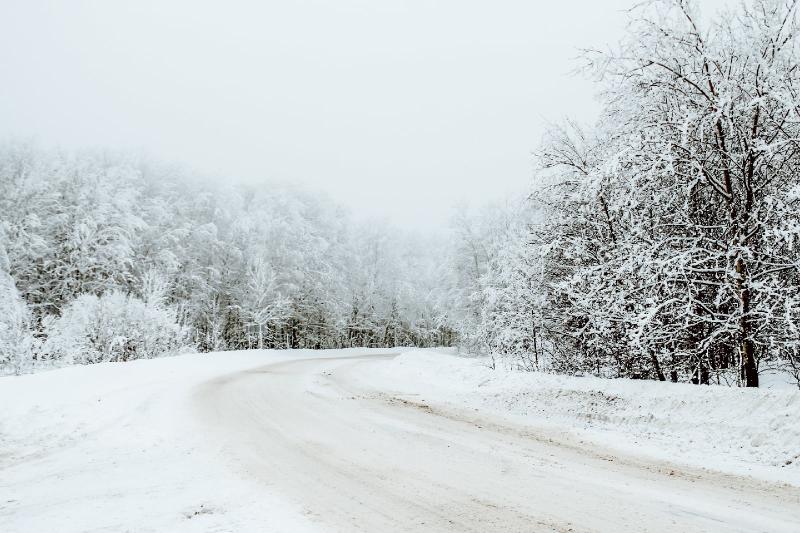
396 108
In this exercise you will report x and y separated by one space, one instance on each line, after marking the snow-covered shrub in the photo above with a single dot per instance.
115 327
16 340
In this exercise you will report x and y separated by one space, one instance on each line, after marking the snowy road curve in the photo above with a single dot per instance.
356 459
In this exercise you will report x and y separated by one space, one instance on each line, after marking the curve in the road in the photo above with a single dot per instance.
366 460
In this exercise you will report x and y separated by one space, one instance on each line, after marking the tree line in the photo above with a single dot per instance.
659 243
104 257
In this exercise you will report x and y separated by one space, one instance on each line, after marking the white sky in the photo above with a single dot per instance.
399 108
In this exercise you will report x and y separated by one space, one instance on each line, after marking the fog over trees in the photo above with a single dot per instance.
659 243
109 259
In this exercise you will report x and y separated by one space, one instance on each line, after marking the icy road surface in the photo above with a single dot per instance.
315 441
363 460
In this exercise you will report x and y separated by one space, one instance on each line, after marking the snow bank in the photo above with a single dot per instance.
744 431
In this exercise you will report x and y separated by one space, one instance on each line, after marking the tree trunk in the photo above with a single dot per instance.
746 348
657 367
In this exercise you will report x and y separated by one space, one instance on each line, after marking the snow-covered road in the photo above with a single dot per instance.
359 459
322 441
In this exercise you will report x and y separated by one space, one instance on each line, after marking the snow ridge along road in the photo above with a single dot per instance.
340 440
359 459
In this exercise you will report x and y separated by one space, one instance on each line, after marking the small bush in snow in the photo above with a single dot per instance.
115 327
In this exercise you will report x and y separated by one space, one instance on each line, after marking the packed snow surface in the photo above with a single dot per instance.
117 447
357 440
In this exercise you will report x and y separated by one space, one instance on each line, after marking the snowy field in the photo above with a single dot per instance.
357 440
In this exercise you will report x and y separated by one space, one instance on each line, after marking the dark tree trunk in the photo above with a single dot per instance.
747 352
657 367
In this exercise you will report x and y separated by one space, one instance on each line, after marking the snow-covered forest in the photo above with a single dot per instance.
659 243
106 258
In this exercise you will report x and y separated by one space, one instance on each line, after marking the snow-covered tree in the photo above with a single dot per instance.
17 343
665 242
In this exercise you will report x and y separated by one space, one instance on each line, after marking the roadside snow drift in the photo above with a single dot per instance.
735 430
